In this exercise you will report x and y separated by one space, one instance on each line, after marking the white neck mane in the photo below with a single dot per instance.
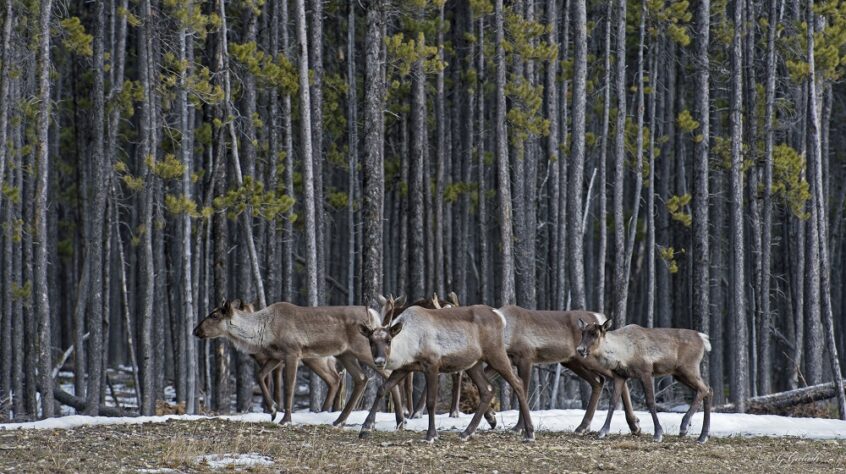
248 331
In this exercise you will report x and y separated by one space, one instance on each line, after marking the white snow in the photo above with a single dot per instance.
222 461
722 424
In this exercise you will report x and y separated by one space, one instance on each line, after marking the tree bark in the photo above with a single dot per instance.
373 169
739 371
701 197
507 293
620 283
40 237
575 237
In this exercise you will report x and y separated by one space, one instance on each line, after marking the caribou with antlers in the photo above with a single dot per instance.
391 308
444 341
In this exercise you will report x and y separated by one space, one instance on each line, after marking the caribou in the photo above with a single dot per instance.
550 337
444 341
391 308
644 353
290 333
271 369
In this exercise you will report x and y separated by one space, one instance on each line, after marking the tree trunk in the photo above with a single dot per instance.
576 260
373 169
818 213
603 167
40 237
739 370
701 198
507 293
95 249
620 283
416 186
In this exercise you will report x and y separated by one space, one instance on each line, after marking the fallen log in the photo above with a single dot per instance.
80 404
782 400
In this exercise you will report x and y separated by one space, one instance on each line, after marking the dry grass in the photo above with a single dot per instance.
180 445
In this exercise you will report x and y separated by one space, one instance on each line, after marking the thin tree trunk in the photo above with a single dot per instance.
40 237
701 198
765 348
373 169
818 213
620 283
308 163
95 249
603 166
507 293
417 192
576 260
739 370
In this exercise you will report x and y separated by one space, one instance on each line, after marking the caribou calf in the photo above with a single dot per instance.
289 333
642 353
445 340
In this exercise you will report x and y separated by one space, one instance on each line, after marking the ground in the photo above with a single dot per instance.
182 446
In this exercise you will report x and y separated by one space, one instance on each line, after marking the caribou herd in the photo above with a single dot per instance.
435 336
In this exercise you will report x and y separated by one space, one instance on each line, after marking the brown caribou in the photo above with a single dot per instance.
289 333
643 353
391 308
445 341
270 369
550 337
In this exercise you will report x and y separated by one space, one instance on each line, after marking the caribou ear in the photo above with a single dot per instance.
607 324
226 306
236 304
400 301
582 323
381 300
365 330
453 298
395 329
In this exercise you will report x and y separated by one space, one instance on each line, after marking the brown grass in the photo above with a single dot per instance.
179 444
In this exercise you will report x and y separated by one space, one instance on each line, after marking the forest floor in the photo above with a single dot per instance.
209 445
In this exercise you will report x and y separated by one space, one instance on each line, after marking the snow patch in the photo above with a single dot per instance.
722 424
224 461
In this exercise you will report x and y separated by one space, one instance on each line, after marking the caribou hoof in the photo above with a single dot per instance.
529 437
581 430
464 437
401 425
430 439
657 437
602 433
364 433
636 431
453 414
491 419
702 439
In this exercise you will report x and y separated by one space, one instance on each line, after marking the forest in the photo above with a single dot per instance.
667 163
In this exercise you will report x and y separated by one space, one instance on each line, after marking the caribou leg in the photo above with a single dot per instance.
263 376
325 369
619 383
387 385
456 394
649 390
524 371
500 363
477 375
706 420
291 364
359 384
432 379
